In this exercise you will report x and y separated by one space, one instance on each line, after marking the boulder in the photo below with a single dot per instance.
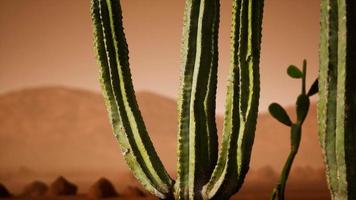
4 192
103 188
35 189
61 187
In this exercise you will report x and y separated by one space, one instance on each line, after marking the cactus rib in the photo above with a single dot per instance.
241 101
197 144
116 83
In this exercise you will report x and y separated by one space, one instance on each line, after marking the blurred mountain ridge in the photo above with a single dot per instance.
51 130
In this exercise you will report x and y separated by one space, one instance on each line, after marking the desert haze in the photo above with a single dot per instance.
55 131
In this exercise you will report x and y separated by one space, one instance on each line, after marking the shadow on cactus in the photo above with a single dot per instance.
203 171
279 113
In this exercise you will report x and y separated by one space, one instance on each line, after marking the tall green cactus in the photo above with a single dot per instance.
337 104
202 173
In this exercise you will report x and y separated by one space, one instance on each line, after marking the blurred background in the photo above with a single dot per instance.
53 120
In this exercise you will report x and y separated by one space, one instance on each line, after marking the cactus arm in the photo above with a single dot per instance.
197 143
327 86
295 138
200 167
304 78
241 111
225 167
121 103
253 53
296 133
191 15
336 107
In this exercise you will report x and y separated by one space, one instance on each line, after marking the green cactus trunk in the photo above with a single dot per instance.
337 90
197 134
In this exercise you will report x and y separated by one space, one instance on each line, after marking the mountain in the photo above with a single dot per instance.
59 129
46 131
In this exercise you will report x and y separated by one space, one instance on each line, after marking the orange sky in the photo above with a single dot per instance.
49 42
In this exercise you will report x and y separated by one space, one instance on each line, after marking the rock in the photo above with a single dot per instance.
62 187
134 191
103 188
4 192
35 189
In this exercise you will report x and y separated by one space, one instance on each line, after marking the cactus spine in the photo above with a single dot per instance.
202 174
337 104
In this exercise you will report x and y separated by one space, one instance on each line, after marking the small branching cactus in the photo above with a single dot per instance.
279 113
337 104
203 173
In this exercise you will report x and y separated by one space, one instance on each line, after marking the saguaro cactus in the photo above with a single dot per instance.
337 104
202 173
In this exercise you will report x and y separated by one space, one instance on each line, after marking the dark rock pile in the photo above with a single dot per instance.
35 189
62 187
4 192
103 188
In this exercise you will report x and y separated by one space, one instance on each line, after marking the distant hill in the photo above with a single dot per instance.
66 129
55 129
64 125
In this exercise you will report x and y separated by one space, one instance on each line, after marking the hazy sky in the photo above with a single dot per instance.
49 42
